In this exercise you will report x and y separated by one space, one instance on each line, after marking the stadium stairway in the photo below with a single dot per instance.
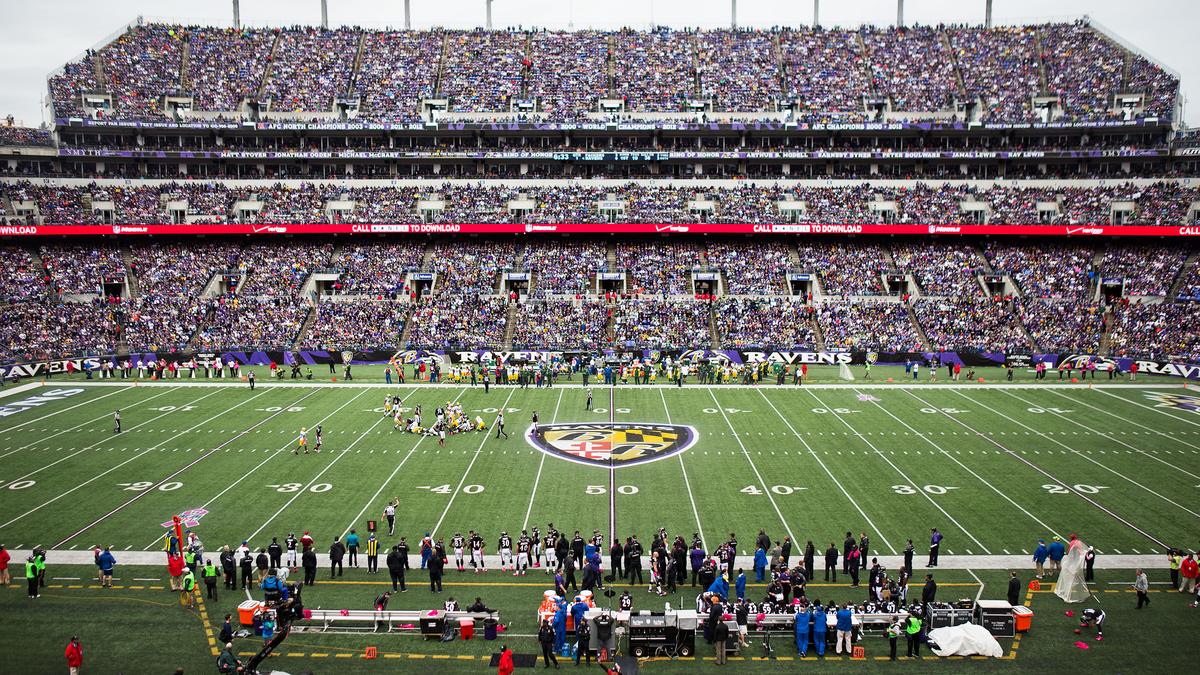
912 317
131 278
510 323
1182 275
266 75
1039 51
958 78
1021 326
305 327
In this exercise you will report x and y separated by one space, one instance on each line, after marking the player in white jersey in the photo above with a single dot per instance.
387 406
457 542
303 443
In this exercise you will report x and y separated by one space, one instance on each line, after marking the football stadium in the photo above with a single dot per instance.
358 348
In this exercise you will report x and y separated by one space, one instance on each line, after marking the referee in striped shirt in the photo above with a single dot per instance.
372 554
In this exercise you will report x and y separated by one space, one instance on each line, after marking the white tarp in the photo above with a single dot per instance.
967 639
1071 586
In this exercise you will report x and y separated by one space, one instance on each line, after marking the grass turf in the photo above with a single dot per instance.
985 465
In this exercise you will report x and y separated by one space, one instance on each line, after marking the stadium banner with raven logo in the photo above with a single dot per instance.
488 358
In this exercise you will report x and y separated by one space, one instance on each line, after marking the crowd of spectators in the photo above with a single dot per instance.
162 323
459 319
1189 285
999 66
659 268
940 269
826 72
236 322
662 324
356 325
379 269
225 66
20 278
561 324
980 323
398 69
751 268
24 137
782 323
845 269
34 330
1157 330
1147 269
311 66
472 268
280 270
1062 326
483 70
1047 270
563 267
1161 203
876 326
912 66
81 269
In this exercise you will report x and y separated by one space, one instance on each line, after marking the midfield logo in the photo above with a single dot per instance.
1180 401
611 445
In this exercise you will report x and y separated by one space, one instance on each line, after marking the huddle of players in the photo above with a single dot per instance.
448 420
530 549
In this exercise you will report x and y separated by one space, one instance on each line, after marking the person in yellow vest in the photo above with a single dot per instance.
210 580
31 577
913 635
372 555
189 586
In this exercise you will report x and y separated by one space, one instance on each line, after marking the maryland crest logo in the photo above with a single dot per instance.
611 445
1169 400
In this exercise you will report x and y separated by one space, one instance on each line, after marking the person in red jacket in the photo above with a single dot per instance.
175 571
506 661
1189 570
4 558
74 655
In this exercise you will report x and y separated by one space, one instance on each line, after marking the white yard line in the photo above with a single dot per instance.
1106 467
189 465
836 482
43 439
1163 411
313 480
140 454
541 463
458 489
686 482
1054 478
766 488
1136 424
954 459
899 471
107 439
59 412
395 471
270 455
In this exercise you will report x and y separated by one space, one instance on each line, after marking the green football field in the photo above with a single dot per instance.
993 466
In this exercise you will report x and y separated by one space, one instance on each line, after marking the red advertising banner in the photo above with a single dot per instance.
601 228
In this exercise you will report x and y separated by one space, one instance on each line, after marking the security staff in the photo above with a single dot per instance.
372 555
210 580
189 586
913 634
635 560
31 577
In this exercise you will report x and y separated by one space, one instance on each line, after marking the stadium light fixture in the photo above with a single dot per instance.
816 13
987 14
407 15
325 14
899 13
237 15
733 14
489 14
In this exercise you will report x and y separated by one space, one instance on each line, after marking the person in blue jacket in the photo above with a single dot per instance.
1039 557
803 619
105 561
577 611
818 628
760 565
1057 551
845 629
560 626
720 586
740 585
